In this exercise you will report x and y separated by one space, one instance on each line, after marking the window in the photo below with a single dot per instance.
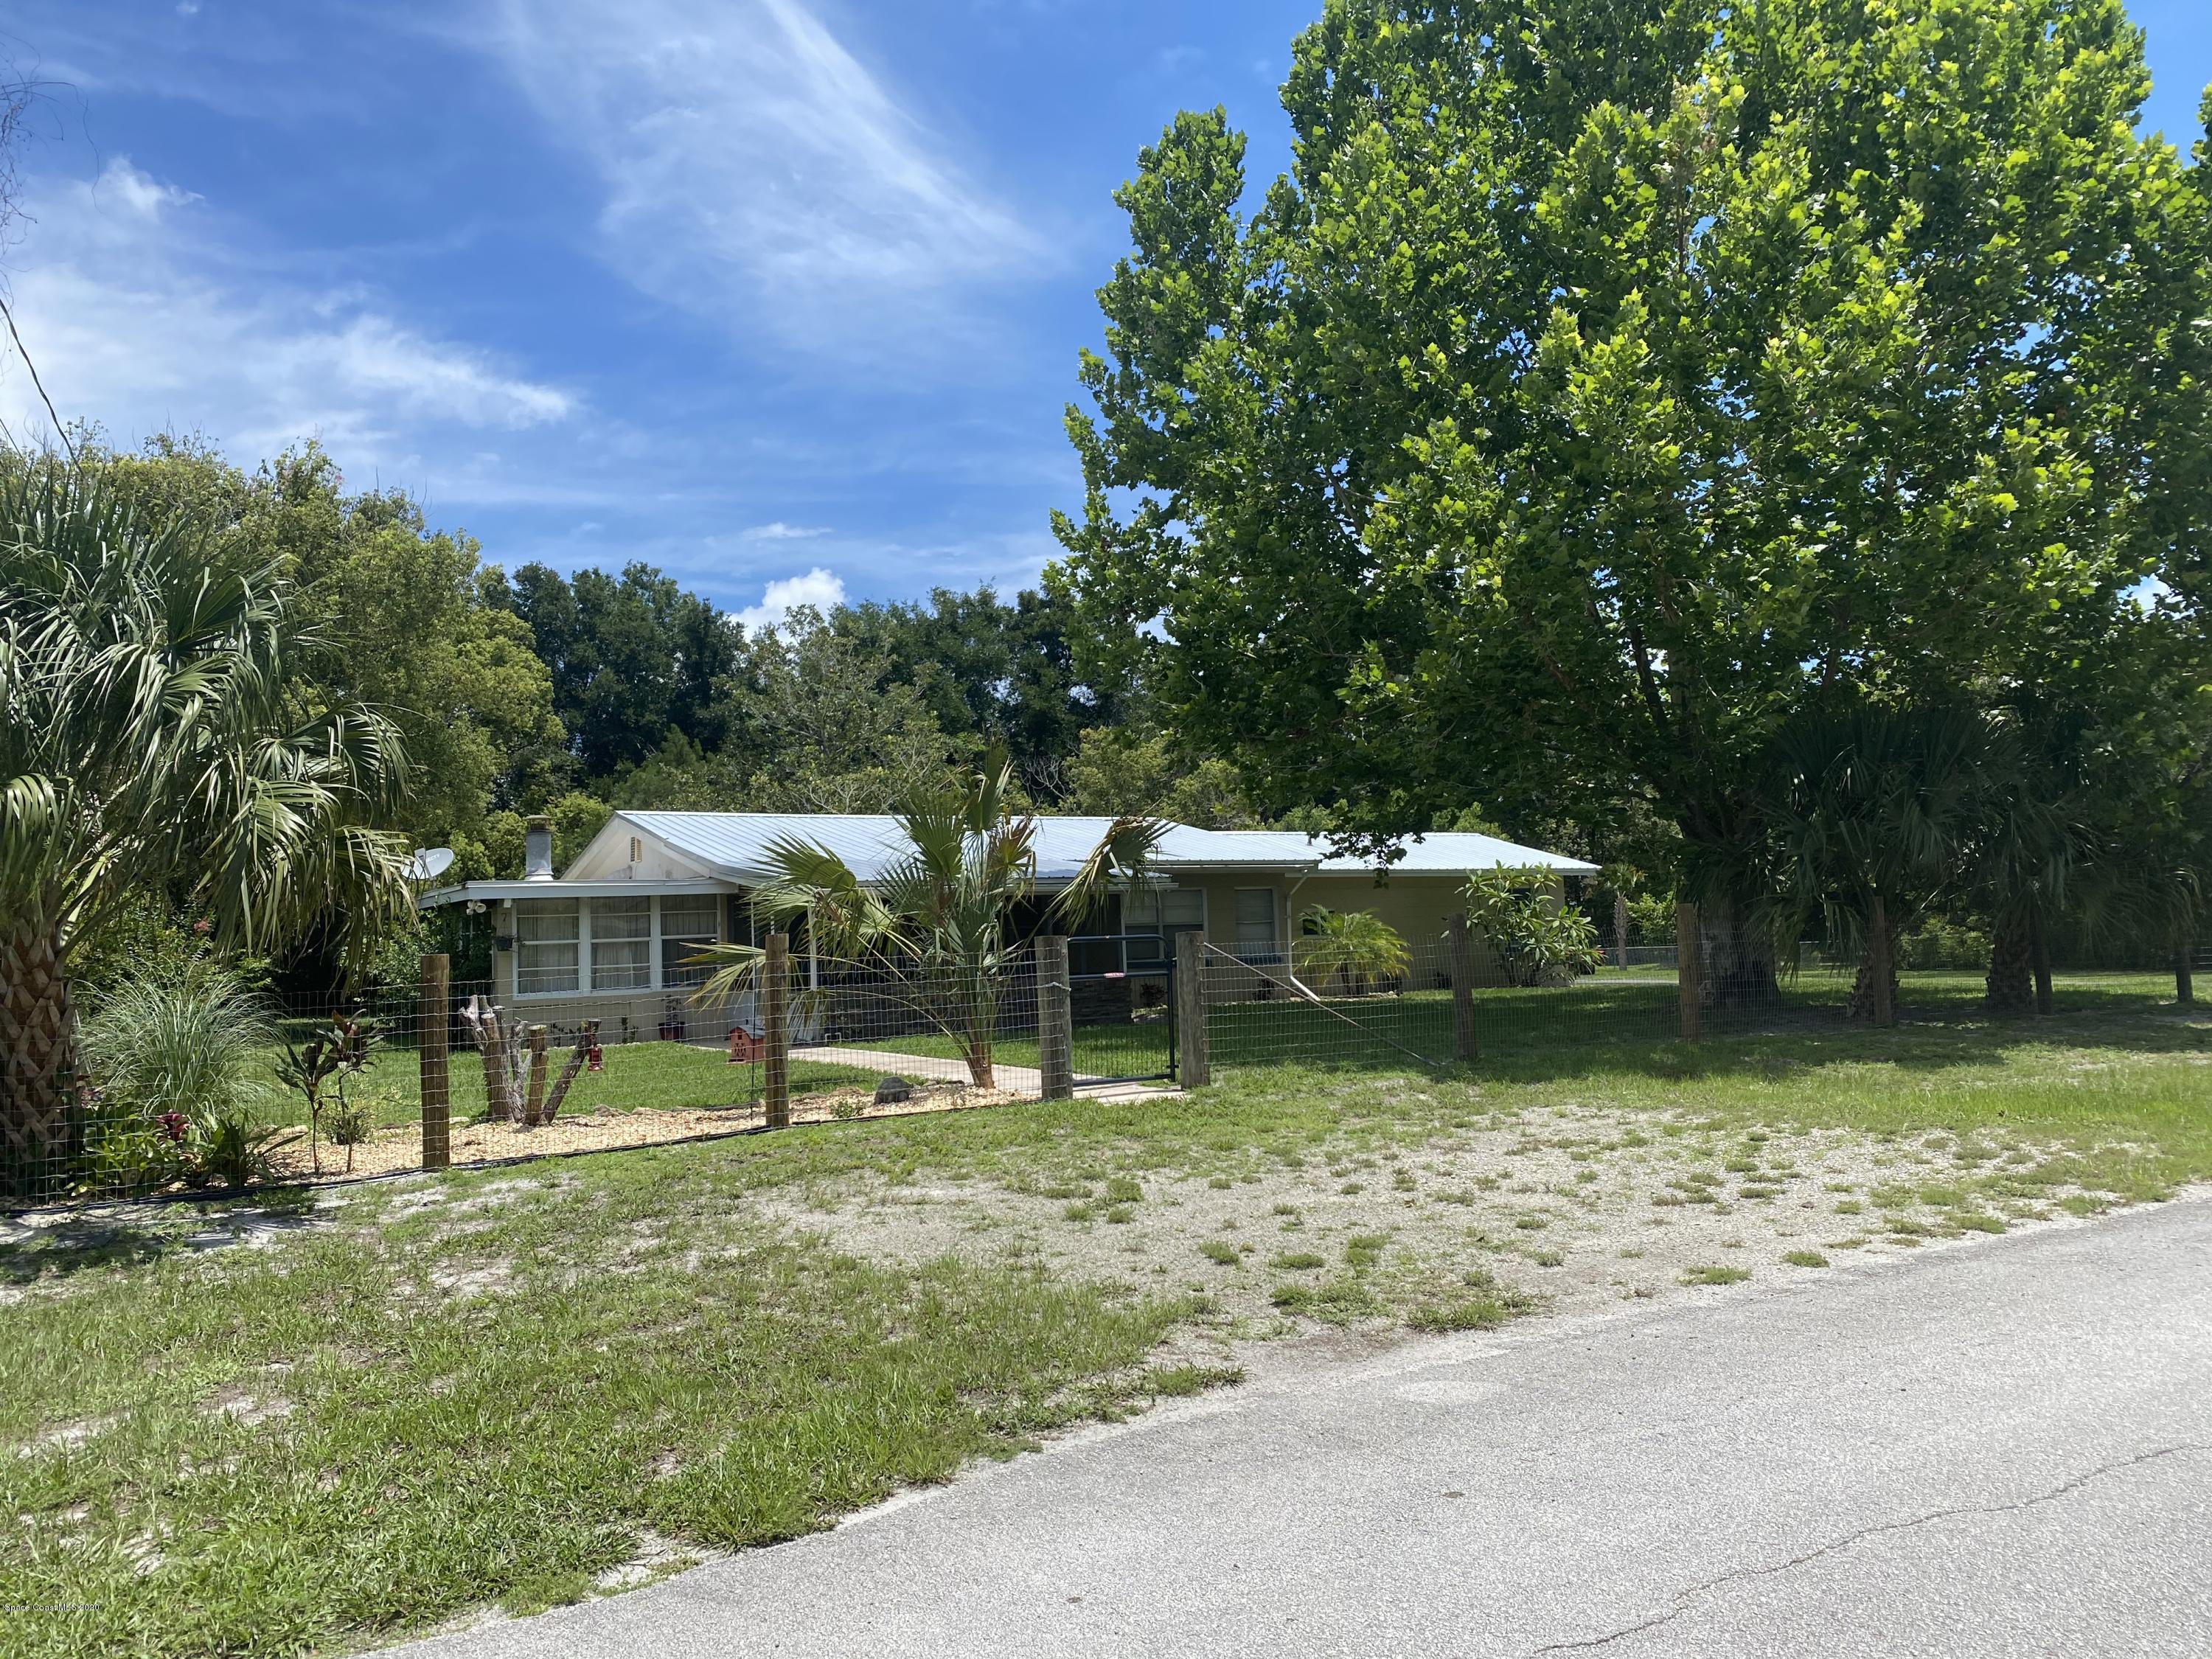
1255 922
622 945
1163 910
687 925
549 955
745 928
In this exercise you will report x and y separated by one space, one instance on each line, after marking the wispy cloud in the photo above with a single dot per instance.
141 316
822 589
756 172
780 532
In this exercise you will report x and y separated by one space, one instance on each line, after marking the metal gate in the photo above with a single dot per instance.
1122 988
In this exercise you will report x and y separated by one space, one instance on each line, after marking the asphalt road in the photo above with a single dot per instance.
2005 1449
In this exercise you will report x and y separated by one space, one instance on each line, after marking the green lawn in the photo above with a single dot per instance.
487 1387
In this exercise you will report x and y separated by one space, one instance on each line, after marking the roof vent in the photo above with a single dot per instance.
538 849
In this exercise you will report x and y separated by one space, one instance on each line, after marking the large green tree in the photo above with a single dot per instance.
633 658
1608 382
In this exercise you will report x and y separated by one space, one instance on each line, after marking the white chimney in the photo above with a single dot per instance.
538 849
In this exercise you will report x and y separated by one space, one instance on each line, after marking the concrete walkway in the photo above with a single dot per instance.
1015 1079
1992 1451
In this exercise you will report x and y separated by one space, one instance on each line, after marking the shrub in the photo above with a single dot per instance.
175 1052
1937 944
1651 919
1536 937
236 1151
1346 949
190 1040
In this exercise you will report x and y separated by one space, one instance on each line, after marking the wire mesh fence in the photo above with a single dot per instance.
1320 1011
198 1085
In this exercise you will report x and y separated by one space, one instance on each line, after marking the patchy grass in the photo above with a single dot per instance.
1716 1276
493 1388
486 1390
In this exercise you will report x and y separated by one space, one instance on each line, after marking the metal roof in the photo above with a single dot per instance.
1458 852
733 847
736 844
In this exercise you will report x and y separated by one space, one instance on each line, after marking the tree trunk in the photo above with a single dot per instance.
1874 993
1621 929
980 1071
2184 980
1739 960
41 1114
2011 982
2039 952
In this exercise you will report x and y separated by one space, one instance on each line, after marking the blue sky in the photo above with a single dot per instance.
782 295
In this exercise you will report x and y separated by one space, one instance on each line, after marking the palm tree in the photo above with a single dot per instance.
153 739
1874 812
935 920
1348 946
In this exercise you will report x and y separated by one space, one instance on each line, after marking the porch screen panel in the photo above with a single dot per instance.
622 944
548 954
687 926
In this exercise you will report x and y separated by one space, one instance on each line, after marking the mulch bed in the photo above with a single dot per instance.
393 1151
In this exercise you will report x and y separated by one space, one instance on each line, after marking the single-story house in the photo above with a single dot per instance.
651 888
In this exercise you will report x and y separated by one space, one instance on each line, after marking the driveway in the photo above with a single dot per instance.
1014 1079
1999 1449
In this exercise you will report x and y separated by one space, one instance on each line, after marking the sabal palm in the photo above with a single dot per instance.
1874 812
936 916
152 738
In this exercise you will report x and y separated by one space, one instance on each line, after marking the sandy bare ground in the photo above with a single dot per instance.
1564 1211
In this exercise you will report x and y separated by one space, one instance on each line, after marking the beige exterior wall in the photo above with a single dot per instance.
1419 907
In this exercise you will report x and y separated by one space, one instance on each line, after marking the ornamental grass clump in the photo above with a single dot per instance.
179 1059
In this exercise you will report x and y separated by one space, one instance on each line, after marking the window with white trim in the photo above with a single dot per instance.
622 944
689 924
548 948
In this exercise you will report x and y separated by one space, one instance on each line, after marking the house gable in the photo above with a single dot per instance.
626 850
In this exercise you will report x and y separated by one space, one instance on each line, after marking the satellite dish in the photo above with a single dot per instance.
431 863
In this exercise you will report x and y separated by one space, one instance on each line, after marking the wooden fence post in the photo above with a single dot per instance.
775 1023
1055 1019
1462 983
1193 1060
433 1013
1689 971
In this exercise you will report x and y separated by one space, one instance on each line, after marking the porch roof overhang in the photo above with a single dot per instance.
494 892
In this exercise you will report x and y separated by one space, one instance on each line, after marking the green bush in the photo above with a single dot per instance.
175 1053
1651 919
1938 944
1537 937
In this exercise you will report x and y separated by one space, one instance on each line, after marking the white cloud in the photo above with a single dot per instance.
820 588
137 193
141 318
780 532
756 171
